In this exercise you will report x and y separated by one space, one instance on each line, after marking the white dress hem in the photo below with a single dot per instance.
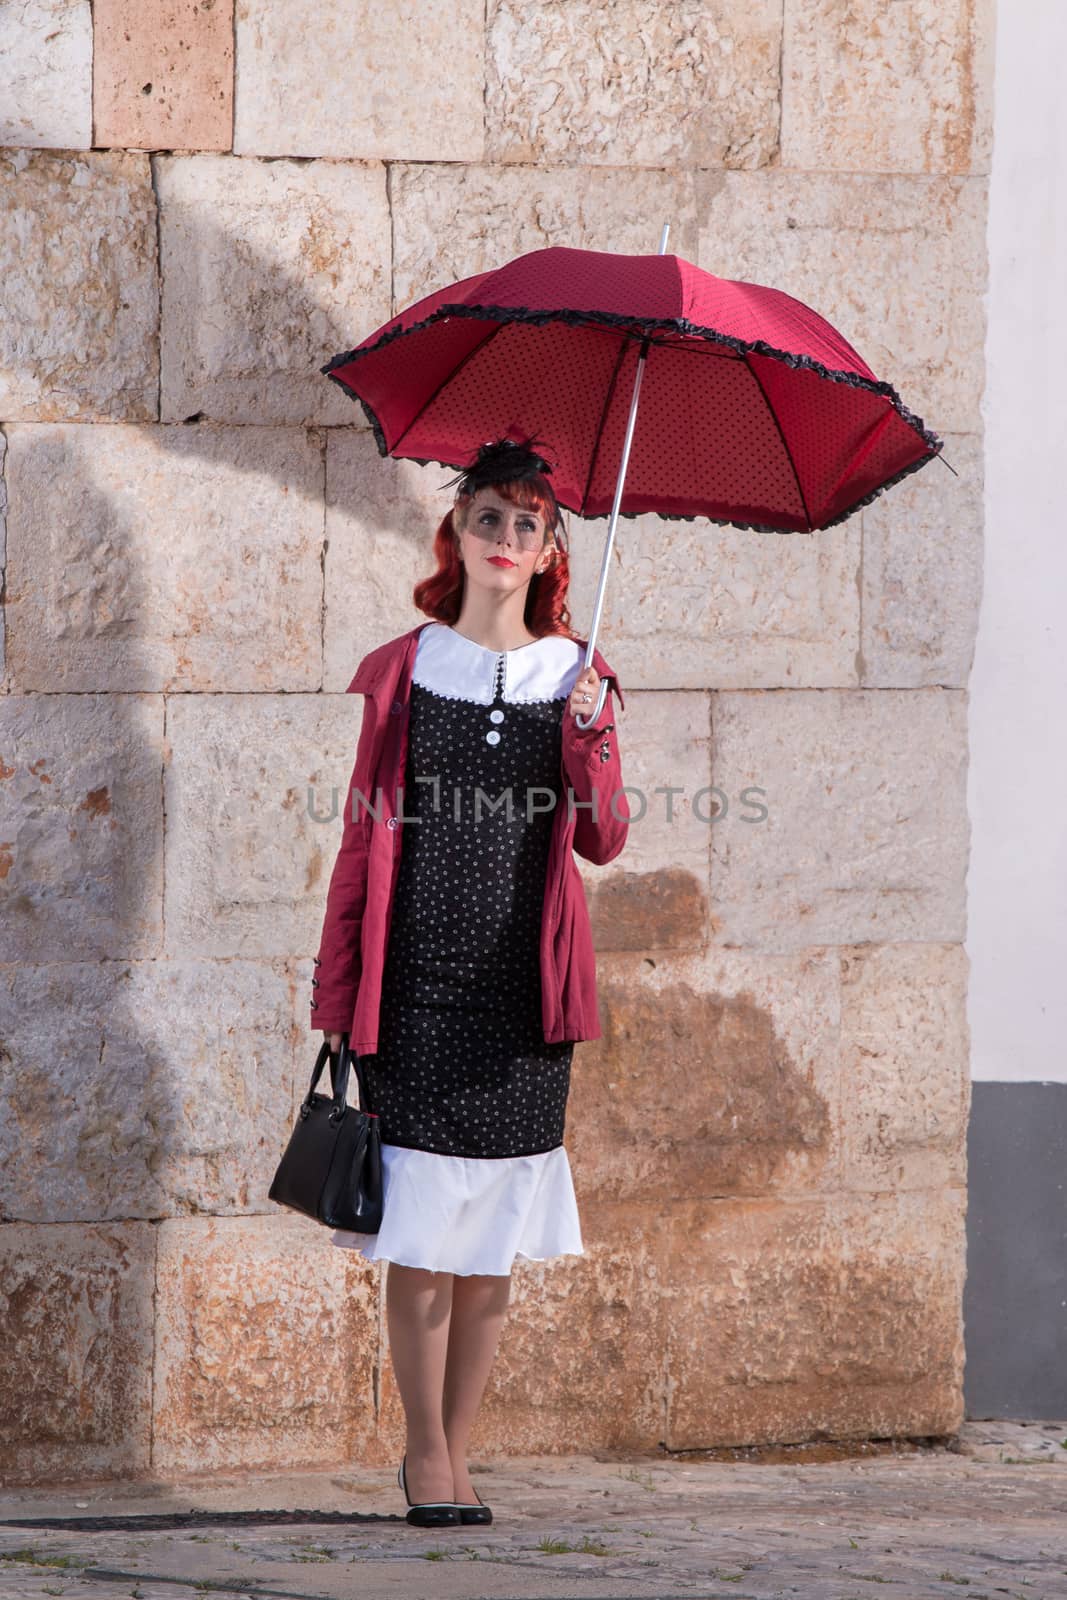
469 1214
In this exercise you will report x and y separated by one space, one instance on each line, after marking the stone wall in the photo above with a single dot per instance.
201 204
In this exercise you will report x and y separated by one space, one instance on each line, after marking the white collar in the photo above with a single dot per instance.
451 664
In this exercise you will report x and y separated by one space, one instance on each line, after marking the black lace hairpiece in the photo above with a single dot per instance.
504 461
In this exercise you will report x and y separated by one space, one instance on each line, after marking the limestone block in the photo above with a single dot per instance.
717 1074
653 896
547 1386
3 560
255 789
352 79
905 1066
837 1316
76 1379
269 269
164 558
875 88
163 74
633 83
176 1092
266 1345
450 221
81 825
896 264
866 833
922 573
79 341
693 605
46 67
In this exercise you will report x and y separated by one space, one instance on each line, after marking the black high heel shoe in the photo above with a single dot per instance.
479 1513
428 1513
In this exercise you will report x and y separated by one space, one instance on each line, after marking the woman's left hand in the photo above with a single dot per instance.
586 683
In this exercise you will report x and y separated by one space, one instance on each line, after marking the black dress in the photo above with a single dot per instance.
472 1099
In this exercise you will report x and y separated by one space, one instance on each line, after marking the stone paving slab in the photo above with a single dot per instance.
984 1513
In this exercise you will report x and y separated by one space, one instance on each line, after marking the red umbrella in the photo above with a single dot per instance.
755 411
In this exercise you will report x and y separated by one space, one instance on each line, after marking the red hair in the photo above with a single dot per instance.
440 596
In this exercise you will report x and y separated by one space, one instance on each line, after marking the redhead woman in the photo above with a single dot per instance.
456 949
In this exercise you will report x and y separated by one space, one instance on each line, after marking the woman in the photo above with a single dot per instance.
461 965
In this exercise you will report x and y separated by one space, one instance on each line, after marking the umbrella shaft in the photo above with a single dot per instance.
598 606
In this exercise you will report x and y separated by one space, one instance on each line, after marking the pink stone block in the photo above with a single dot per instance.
163 74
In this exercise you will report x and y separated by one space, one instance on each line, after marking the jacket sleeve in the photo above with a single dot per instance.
594 773
338 964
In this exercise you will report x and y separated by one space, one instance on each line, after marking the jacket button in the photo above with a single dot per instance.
496 716
492 737
393 822
396 707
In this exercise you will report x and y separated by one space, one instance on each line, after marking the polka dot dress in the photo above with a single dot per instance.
472 1099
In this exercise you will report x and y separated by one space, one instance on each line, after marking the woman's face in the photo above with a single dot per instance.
502 545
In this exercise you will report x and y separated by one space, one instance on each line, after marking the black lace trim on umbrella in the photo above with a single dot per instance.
647 327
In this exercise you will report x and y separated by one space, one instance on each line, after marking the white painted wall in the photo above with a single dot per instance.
1017 787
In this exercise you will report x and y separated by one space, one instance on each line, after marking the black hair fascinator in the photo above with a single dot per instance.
501 461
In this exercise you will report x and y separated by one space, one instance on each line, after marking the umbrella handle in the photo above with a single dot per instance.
587 722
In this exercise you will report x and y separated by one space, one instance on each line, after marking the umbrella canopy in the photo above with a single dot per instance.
755 412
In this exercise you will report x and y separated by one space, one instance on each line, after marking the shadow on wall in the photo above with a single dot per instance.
166 606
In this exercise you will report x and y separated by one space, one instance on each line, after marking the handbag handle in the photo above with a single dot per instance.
340 1066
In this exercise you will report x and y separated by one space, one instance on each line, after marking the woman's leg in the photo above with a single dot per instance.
418 1306
479 1308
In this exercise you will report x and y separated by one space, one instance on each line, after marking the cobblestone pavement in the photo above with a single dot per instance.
984 1516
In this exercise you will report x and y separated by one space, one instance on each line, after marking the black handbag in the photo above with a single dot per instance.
332 1166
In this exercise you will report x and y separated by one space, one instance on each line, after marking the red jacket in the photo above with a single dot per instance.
346 987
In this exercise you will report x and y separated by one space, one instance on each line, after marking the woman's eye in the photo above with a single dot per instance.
490 516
